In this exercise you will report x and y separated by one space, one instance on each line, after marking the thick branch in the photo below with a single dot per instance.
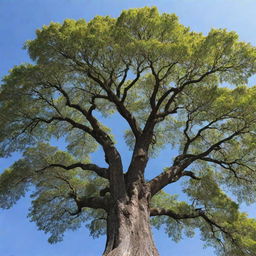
198 213
84 201
88 202
169 176
172 214
118 90
163 179
93 202
152 99
154 117
112 155
190 174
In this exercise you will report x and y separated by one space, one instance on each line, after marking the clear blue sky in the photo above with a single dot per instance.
18 21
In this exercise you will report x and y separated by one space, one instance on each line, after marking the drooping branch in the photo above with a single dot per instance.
37 120
194 214
115 173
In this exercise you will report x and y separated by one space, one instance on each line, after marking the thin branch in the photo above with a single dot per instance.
106 87
80 126
195 214
125 113
190 174
102 172
152 99
133 82
118 91
229 166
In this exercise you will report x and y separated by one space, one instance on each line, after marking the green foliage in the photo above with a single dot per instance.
52 203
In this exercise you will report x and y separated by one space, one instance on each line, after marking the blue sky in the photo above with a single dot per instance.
18 21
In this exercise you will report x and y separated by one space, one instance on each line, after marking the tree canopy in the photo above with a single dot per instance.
174 88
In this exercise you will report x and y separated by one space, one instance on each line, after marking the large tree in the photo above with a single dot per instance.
174 88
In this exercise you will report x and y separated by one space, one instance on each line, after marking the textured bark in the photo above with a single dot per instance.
128 229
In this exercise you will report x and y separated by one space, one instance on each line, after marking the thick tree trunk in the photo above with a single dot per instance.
128 230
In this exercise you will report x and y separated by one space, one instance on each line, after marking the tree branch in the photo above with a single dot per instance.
195 214
88 202
163 179
139 70
172 214
229 166
102 172
84 201
180 163
124 112
112 97
190 174
80 126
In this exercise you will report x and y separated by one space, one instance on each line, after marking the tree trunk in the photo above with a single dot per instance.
129 231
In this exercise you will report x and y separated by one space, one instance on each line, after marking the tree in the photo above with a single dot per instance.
174 88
